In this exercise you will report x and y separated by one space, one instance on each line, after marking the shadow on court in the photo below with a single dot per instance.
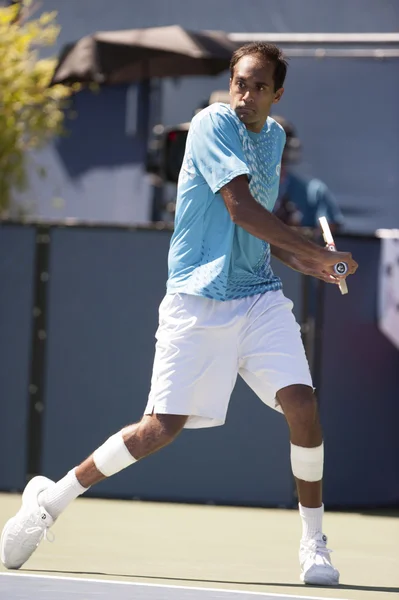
363 588
381 513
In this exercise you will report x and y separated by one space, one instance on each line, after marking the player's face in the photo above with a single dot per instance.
252 91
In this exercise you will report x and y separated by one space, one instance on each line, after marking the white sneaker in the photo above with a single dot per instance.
316 566
23 533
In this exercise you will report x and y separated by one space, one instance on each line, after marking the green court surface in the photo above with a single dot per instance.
240 549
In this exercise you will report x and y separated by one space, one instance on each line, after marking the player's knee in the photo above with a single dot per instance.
299 405
162 429
171 425
152 433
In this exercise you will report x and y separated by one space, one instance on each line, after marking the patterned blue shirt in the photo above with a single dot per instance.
209 255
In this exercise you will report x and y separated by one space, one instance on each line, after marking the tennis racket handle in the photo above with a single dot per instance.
341 268
343 288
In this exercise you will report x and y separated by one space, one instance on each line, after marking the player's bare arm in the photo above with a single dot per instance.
246 212
307 266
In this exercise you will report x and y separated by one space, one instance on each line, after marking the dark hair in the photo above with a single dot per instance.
268 51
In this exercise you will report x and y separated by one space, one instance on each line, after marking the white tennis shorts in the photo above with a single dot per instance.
203 344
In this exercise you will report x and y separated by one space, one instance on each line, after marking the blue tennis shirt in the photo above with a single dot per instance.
209 255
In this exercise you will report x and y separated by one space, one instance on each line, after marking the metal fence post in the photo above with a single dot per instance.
38 353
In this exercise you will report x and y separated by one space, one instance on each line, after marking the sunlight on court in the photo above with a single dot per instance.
153 551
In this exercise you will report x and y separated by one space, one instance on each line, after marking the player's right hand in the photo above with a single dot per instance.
330 259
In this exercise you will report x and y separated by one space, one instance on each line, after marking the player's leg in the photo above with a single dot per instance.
43 501
273 363
118 452
131 444
195 352
299 405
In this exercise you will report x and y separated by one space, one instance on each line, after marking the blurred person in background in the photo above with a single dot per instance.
302 201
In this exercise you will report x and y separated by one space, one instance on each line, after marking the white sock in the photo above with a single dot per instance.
312 521
58 496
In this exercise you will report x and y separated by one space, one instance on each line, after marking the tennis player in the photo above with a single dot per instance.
224 313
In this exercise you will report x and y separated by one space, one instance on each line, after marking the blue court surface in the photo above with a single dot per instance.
37 587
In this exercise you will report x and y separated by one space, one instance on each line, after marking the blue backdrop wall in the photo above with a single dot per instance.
103 292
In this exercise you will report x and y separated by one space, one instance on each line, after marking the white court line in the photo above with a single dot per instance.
169 587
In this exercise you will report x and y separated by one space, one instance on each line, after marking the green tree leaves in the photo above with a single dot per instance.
31 112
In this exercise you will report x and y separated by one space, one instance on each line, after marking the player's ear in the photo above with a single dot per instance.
230 83
278 95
